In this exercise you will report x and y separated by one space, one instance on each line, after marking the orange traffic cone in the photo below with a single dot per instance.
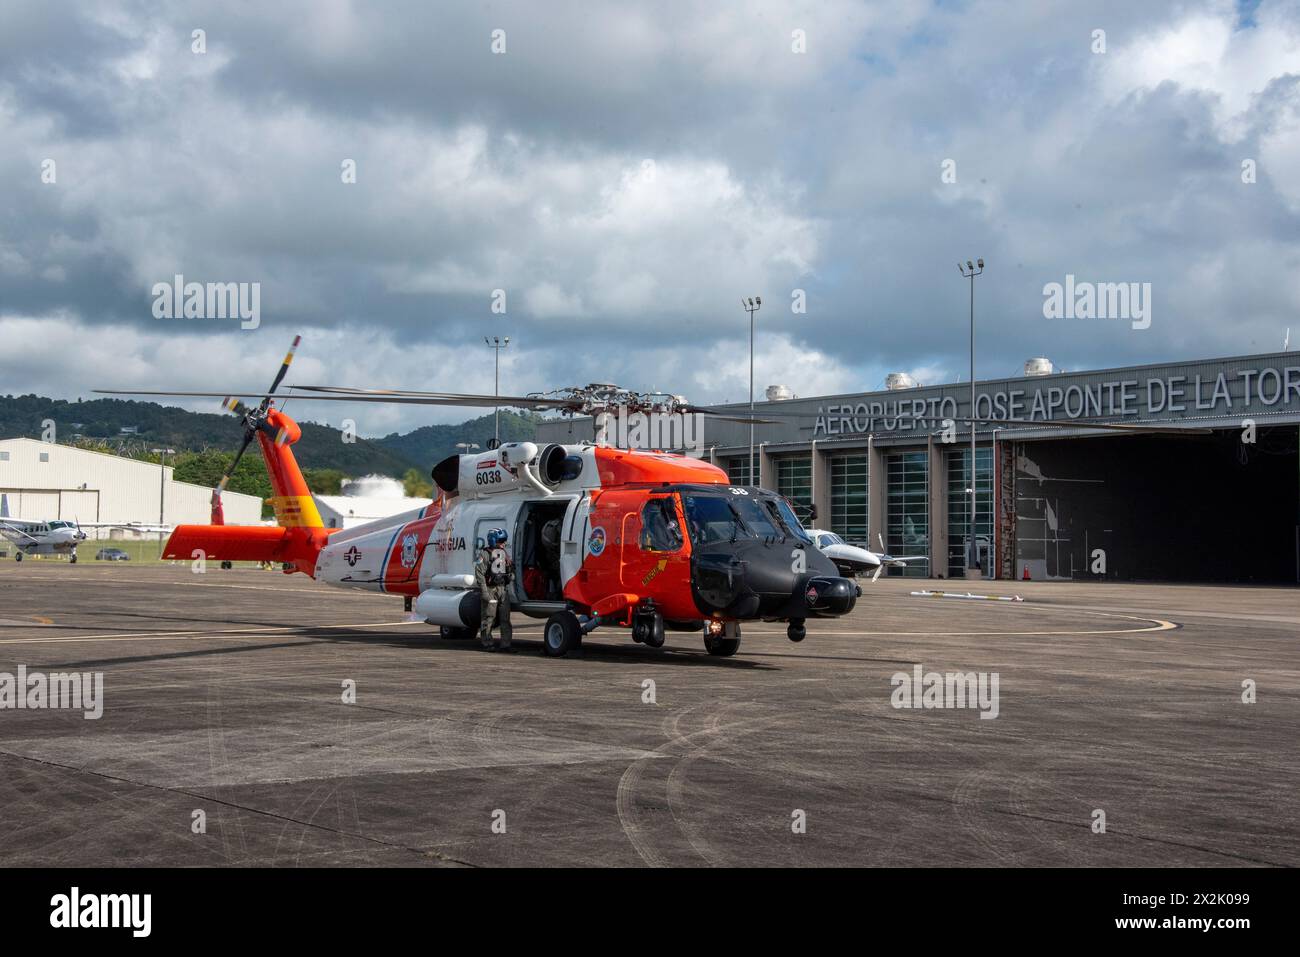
1025 576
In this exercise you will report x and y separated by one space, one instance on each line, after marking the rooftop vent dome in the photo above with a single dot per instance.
899 380
779 393
1039 366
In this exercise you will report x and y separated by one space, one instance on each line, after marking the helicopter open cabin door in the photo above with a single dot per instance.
539 536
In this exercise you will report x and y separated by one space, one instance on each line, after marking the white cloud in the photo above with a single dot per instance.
1206 52
628 172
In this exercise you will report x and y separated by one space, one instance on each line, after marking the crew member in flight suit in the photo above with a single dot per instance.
494 572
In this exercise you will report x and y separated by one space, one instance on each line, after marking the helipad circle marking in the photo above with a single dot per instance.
1154 624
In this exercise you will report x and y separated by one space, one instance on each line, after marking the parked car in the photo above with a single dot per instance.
111 555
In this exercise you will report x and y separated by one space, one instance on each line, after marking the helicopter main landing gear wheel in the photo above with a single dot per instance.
562 634
796 631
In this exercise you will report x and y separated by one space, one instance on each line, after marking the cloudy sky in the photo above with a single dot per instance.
626 172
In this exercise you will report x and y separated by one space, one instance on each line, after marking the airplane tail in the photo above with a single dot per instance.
299 534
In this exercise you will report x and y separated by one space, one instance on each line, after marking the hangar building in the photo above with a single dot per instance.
349 511
1218 503
43 480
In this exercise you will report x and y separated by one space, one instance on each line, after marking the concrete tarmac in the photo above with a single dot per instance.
223 702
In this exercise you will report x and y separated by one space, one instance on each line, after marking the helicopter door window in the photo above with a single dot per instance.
659 529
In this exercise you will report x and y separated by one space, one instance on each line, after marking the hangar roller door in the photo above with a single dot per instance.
32 505
79 506
1160 508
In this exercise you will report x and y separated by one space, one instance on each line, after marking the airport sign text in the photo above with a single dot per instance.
1156 396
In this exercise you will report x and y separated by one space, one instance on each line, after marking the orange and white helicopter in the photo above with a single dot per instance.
601 537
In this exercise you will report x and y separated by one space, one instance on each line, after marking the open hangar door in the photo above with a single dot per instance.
1196 508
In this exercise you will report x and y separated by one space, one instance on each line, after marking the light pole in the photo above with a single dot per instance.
970 271
497 344
751 306
162 491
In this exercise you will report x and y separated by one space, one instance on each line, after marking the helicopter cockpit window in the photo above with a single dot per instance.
789 519
757 518
716 518
711 519
659 529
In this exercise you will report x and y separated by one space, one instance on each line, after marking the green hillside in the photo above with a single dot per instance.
99 422
431 444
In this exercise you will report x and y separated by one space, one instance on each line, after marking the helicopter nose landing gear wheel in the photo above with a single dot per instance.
561 635
649 630
796 630
722 644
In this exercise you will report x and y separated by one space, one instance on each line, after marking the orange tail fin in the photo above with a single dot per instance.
292 501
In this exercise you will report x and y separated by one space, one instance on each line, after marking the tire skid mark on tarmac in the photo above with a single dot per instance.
218 758
678 747
235 805
676 790
627 787
963 804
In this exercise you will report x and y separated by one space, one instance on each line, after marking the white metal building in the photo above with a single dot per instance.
43 480
345 511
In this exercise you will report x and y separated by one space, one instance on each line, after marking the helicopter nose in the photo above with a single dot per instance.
722 586
760 582
831 596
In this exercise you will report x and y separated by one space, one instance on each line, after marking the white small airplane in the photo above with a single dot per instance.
42 538
53 536
852 560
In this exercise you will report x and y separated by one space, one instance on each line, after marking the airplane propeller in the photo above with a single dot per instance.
880 569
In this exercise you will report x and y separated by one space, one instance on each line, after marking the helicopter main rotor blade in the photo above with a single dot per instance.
775 413
484 401
336 394
1082 424
469 396
732 418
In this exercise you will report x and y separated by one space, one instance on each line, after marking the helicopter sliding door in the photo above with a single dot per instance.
538 549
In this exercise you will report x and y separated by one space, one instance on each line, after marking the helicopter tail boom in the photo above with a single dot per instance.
299 533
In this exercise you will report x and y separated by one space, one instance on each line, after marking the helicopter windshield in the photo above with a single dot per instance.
790 519
715 518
